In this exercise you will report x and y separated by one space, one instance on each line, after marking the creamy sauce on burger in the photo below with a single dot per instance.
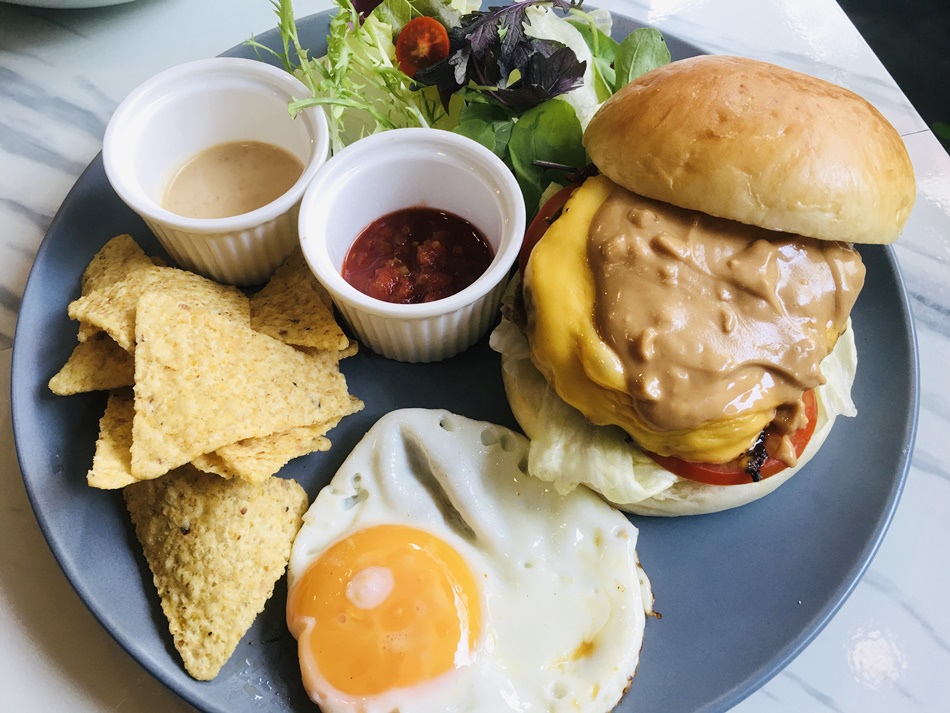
710 318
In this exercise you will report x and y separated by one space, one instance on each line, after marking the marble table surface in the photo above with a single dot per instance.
63 71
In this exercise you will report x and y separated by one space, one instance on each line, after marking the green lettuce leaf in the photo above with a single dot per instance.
642 50
550 132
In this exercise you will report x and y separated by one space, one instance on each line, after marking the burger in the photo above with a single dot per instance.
680 340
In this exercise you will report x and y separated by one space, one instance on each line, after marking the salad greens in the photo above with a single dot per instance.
522 79
490 53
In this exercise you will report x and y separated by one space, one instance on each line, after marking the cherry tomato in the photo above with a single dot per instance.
733 473
542 221
421 43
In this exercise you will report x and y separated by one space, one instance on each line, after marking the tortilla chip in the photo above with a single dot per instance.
111 308
115 261
296 309
256 459
215 548
112 463
87 331
351 349
213 463
203 381
97 364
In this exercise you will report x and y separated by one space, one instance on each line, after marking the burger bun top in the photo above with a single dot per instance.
759 144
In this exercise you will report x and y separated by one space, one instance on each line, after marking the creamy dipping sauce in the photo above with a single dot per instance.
710 317
230 179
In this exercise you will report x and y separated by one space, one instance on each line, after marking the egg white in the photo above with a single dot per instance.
563 595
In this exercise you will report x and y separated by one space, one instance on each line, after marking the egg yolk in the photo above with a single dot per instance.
387 607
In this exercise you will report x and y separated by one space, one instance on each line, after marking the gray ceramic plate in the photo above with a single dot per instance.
741 592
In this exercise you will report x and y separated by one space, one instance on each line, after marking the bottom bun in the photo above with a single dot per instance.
567 450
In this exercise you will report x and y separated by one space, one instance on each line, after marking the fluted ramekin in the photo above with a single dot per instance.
406 168
191 107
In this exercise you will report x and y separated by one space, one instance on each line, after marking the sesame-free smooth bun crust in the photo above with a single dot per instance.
760 144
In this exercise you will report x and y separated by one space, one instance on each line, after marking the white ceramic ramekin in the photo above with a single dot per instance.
405 168
191 107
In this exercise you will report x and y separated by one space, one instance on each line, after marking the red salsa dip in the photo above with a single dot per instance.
416 255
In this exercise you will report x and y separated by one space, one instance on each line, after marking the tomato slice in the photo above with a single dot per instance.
734 472
542 221
421 43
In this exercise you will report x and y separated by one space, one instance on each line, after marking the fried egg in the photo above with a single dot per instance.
433 574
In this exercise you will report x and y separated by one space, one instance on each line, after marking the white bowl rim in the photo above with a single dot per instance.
511 241
277 78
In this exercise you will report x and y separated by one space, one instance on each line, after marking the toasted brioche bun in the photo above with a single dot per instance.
759 144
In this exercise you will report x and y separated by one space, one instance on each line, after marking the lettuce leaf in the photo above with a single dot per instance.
550 132
642 50
545 24
397 13
595 31
357 82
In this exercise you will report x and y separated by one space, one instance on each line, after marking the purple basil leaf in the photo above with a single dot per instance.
480 53
519 57
365 7
543 78
483 27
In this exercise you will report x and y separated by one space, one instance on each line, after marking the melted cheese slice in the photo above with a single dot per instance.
582 369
